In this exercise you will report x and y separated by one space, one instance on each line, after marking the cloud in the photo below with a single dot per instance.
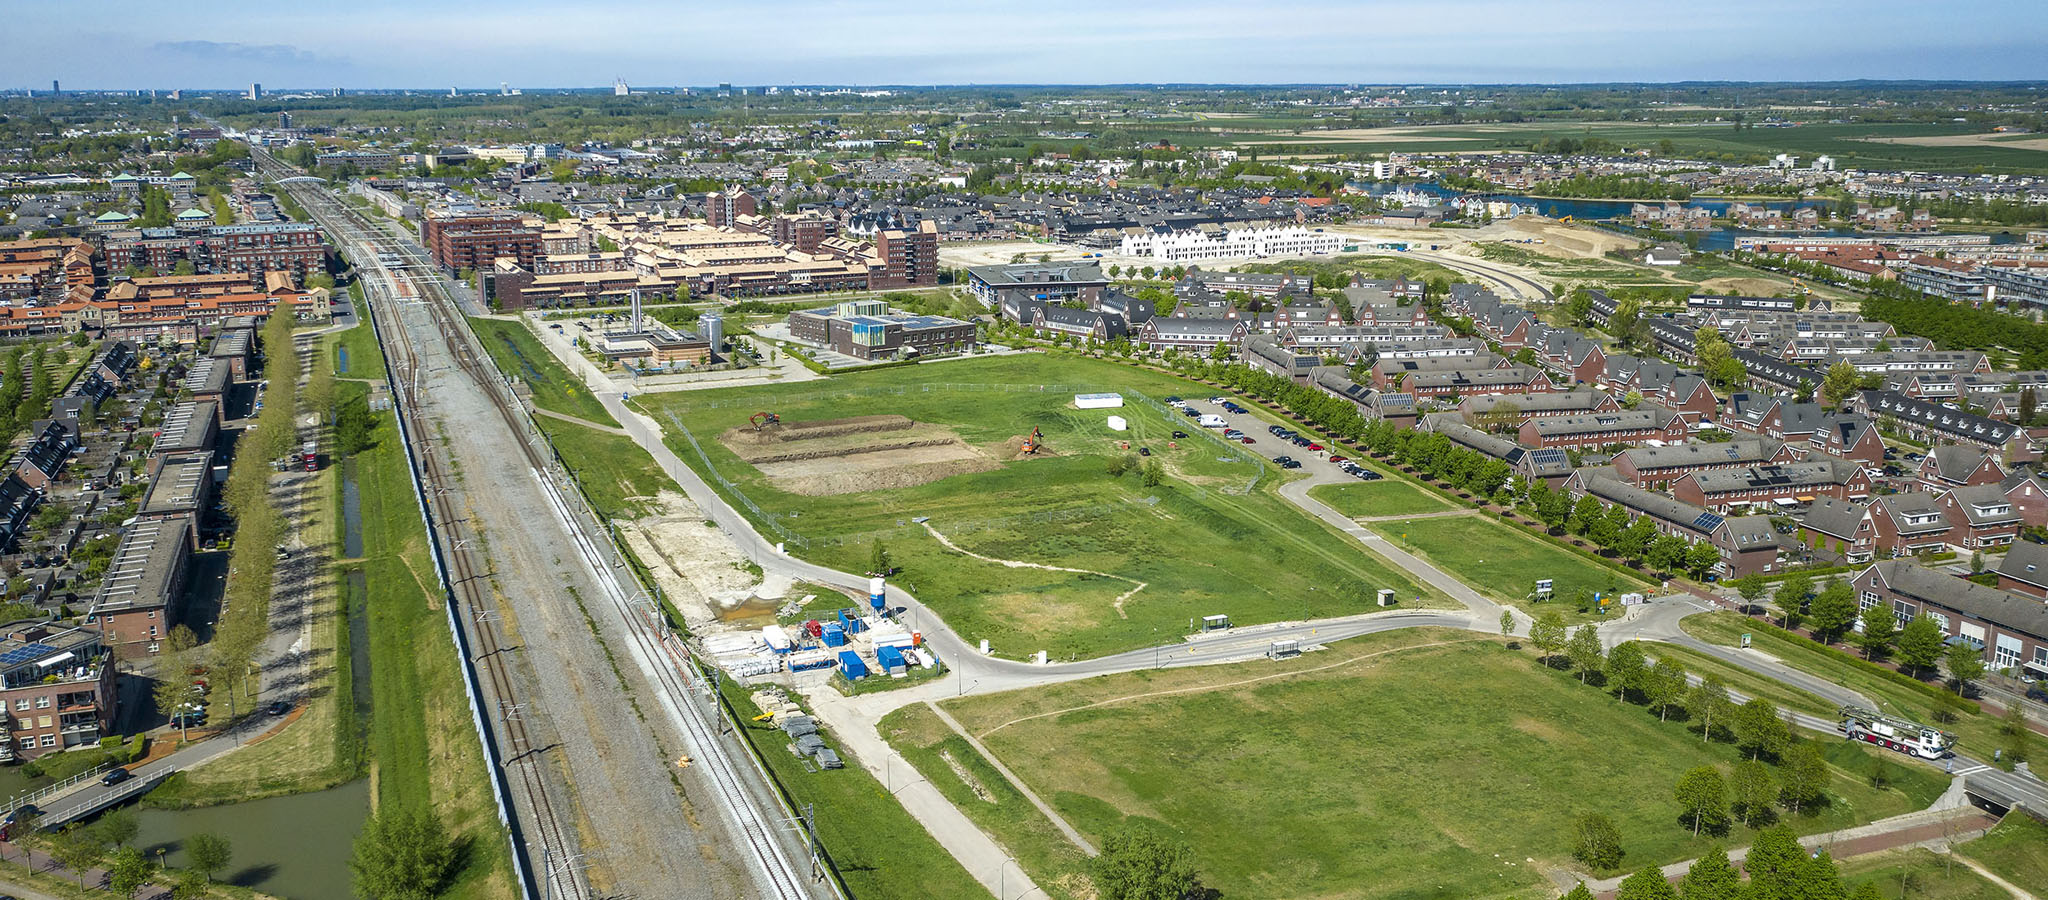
263 53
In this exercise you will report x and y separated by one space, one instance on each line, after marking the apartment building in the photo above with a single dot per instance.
56 686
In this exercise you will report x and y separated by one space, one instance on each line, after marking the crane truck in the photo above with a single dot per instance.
1894 733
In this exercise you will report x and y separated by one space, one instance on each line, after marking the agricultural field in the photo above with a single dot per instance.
1420 763
860 460
1385 497
1976 733
1503 563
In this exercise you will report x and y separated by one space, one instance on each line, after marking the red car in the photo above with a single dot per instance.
1337 459
1248 440
1315 447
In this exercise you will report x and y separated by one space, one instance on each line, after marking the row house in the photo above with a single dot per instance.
1715 302
1080 324
1909 524
1425 348
1397 410
1903 362
1604 429
2011 630
1844 528
1511 379
1812 427
1746 544
1663 384
1952 466
1934 423
1320 335
1253 283
1552 466
1264 353
1373 306
1390 372
1657 467
1191 334
1776 484
2025 571
1580 359
1981 516
1819 351
1767 373
1511 411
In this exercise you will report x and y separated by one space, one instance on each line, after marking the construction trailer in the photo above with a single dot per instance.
852 666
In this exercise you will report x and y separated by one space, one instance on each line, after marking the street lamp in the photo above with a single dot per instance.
1002 879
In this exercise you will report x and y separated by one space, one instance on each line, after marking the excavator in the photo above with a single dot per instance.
760 419
1034 443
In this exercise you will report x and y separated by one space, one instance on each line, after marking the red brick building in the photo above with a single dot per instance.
57 687
905 258
724 208
470 238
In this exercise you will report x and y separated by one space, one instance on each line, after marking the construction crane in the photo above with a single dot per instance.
761 419
1034 443
1894 733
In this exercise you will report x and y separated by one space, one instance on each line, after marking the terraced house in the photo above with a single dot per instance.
2011 630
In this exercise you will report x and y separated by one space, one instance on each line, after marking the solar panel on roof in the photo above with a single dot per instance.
26 653
1707 522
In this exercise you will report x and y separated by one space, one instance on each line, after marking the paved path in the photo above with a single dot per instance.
1058 820
1446 514
576 420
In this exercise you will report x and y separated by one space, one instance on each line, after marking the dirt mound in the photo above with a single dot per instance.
879 471
1745 287
785 432
828 453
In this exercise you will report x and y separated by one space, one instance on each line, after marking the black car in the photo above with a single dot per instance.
1300 441
1144 451
116 776
1173 399
2038 692
1190 412
1283 459
1178 435
280 707
1274 430
1291 464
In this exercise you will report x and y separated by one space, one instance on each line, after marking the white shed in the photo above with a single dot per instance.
1098 401
1117 423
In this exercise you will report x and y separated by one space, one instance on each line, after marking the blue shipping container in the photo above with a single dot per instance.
835 636
851 665
890 659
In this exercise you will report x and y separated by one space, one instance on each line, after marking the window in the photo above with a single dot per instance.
49 740
43 702
21 703
1868 600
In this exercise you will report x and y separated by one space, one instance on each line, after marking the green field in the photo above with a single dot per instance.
1379 768
878 849
1197 549
1919 874
620 478
2016 850
518 353
1503 562
1385 497
365 358
1976 733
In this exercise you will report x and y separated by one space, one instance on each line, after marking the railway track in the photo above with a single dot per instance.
665 660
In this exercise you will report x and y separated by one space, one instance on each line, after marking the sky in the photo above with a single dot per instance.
89 44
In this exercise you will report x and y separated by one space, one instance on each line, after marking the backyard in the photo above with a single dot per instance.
1152 556
1422 763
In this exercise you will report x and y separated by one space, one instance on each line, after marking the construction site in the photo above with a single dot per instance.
861 453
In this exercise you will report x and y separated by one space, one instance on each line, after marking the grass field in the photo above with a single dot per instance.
518 353
423 748
365 358
2016 850
1385 497
879 850
1197 550
1503 563
1743 681
620 477
1919 874
1976 733
1423 763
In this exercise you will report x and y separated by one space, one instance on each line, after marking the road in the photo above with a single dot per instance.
586 743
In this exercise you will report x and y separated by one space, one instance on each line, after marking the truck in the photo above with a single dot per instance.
1211 421
1893 733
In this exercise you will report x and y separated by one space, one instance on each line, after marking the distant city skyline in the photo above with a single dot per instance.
383 44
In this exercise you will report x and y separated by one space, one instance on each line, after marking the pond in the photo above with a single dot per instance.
295 847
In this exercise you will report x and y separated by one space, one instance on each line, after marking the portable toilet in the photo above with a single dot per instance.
834 634
890 660
851 666
877 594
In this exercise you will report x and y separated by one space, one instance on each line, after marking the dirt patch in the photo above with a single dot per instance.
1566 242
698 567
1993 139
1746 287
848 456
973 784
1538 729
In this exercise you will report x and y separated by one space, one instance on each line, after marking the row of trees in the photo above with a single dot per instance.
108 843
1779 869
1955 326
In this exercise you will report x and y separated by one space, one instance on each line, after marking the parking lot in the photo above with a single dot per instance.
1240 422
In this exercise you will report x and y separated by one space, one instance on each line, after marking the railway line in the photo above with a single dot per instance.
759 841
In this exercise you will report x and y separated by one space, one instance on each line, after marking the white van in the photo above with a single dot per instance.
1211 422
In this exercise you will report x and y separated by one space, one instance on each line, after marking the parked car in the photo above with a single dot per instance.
1315 447
1337 459
280 708
1173 400
1144 451
1291 464
1178 435
1247 440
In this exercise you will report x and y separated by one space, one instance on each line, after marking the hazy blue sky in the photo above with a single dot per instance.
388 43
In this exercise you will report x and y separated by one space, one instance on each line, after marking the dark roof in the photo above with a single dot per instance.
1987 604
2026 562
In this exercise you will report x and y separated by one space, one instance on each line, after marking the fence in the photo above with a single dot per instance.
760 514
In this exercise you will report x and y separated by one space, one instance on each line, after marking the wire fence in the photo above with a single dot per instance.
761 515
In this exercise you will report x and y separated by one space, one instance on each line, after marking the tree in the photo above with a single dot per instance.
1817 878
1583 649
1648 884
1137 864
402 855
117 827
1758 730
1965 664
77 849
1832 611
1794 589
130 871
208 853
1596 842
879 563
174 685
1803 776
1774 863
1579 893
1841 383
1879 631
1752 587
1507 621
1708 704
1752 792
1701 796
1153 474
1585 513
1919 643
1547 633
1712 877
1626 668
1666 683
2028 404
1700 557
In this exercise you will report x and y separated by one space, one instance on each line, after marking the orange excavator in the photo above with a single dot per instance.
1034 443
764 418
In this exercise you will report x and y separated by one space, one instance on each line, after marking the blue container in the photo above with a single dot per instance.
890 659
851 666
835 636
